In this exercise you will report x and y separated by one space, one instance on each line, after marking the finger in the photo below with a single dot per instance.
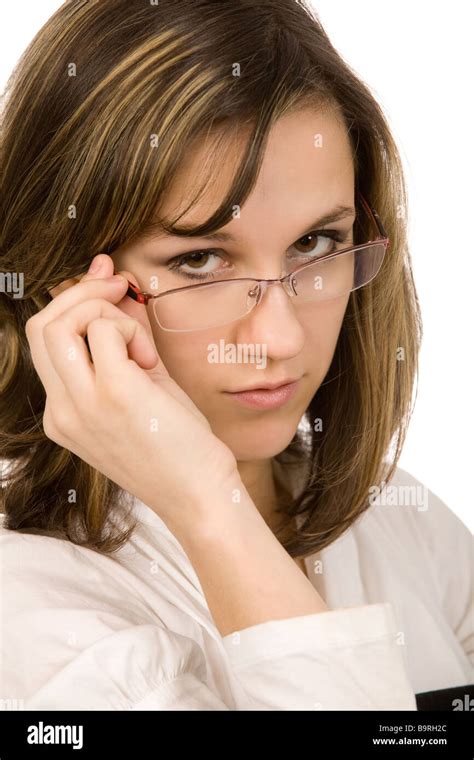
64 295
35 325
112 289
102 266
128 306
67 353
111 342
54 292
131 307
139 312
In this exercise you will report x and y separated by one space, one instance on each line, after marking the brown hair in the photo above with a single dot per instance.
99 79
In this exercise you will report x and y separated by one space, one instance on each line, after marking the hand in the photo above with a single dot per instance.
122 413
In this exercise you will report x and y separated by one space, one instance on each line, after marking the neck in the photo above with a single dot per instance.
257 477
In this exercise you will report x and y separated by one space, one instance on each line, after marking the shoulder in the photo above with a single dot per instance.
36 568
43 572
409 524
416 513
52 585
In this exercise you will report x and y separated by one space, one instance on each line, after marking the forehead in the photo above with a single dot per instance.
307 167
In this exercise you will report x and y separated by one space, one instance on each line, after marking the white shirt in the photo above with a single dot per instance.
132 630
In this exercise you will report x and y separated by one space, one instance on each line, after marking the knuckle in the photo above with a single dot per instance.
97 325
58 423
97 303
111 322
49 426
30 326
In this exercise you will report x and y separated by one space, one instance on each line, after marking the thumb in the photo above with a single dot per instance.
101 266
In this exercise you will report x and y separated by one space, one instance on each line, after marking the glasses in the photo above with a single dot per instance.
221 302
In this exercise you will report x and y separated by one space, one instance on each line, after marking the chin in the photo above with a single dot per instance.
259 439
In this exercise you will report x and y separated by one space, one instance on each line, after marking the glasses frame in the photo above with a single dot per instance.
143 297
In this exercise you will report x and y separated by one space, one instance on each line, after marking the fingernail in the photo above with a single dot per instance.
95 266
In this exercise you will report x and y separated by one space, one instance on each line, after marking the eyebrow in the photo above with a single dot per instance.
335 215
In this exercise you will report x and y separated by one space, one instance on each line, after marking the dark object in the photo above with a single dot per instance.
454 698
88 348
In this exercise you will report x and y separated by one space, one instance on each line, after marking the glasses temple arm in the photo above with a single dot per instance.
137 295
373 214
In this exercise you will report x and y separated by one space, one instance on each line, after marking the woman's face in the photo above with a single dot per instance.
307 172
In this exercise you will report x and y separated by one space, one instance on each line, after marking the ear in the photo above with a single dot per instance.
53 292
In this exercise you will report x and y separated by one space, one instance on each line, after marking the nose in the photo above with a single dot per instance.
273 322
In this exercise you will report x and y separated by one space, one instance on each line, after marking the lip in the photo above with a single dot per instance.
267 386
265 397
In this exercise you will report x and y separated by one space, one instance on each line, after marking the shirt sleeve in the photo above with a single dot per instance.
337 660
344 659
141 668
70 642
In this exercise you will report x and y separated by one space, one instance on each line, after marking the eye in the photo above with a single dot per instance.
318 243
201 262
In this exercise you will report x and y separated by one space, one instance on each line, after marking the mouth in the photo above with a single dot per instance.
267 396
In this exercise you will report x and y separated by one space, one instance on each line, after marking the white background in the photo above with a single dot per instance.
416 57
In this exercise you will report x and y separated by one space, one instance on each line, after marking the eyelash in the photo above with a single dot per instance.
175 263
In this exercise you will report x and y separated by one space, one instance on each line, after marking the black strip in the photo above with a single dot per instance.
454 698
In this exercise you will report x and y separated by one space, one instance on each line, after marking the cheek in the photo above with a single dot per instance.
185 357
322 324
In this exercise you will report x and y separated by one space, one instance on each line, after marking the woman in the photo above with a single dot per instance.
174 538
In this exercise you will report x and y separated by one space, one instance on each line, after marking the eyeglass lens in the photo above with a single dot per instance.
218 303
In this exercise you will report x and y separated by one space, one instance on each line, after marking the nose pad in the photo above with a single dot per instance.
253 296
290 286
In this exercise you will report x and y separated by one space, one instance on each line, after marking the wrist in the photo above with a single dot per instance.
214 513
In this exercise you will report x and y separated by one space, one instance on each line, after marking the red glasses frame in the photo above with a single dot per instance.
144 297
